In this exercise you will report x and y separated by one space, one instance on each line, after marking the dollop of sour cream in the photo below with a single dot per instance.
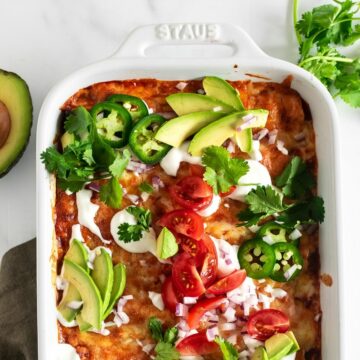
212 208
87 211
66 352
257 175
227 257
147 243
76 233
171 162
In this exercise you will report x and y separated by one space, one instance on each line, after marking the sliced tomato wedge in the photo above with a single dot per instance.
227 193
192 192
228 283
168 295
197 344
204 253
199 309
265 323
185 277
184 222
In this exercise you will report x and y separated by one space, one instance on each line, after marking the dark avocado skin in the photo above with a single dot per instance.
16 76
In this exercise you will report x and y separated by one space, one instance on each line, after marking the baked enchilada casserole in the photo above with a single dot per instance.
186 221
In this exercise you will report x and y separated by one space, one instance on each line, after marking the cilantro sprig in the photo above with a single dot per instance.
318 32
128 232
87 158
228 350
165 348
222 171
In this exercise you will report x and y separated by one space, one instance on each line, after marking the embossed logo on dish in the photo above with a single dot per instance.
187 32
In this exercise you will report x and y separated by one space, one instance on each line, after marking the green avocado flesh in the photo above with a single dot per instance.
223 91
260 354
91 311
166 244
175 131
15 119
118 287
220 130
278 346
186 103
103 276
78 255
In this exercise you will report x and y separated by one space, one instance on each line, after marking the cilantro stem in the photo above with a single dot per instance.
295 19
329 58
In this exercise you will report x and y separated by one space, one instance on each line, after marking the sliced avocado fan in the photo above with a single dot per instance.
15 119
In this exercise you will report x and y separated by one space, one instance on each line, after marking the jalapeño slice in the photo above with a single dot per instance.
134 105
142 140
288 262
113 123
273 232
257 258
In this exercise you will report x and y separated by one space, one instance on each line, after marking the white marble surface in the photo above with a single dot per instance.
45 40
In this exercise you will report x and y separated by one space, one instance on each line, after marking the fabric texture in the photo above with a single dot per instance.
18 329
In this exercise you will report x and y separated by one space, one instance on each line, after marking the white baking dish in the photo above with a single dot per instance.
187 47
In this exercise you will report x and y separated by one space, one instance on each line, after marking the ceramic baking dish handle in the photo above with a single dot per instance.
148 36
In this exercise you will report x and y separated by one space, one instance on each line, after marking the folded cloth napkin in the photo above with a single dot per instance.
18 331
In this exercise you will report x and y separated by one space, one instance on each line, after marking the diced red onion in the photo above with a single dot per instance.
142 262
232 339
189 300
228 326
128 297
60 283
93 186
167 114
230 147
182 333
118 322
200 91
181 85
133 198
268 239
248 120
272 136
147 348
278 293
299 136
211 333
182 325
280 146
295 234
261 134
213 318
124 317
136 166
290 272
230 314
157 182
181 310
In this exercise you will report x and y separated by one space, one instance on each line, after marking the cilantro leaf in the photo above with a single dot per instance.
296 180
171 335
228 350
128 232
222 171
111 193
166 351
146 187
120 163
78 122
155 328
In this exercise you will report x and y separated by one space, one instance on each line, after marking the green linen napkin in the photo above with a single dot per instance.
18 331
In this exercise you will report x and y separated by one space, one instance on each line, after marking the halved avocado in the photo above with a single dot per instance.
260 354
220 89
278 346
244 140
15 119
103 276
78 255
220 130
118 287
186 103
175 131
92 308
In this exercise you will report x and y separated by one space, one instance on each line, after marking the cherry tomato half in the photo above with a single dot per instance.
228 283
185 222
265 323
192 192
204 253
185 277
197 344
168 295
200 308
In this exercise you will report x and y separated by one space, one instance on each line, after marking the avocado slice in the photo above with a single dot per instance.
15 119
166 244
103 276
278 346
244 140
67 139
175 131
260 354
118 287
220 130
78 255
92 308
186 103
220 89
296 346
82 324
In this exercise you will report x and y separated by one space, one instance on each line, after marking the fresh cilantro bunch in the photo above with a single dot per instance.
127 232
87 158
228 350
165 348
318 32
222 171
